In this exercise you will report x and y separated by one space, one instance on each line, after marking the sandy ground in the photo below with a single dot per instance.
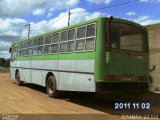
31 102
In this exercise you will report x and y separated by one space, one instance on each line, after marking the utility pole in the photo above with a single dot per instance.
69 14
28 29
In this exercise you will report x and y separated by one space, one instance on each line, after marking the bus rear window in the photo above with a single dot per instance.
127 37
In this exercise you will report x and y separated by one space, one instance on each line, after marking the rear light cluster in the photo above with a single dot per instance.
118 77
113 77
141 78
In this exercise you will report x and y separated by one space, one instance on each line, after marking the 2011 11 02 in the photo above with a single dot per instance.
132 106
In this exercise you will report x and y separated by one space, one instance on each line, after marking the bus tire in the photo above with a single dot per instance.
52 87
18 79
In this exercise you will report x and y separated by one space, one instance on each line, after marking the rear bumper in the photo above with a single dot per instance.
121 86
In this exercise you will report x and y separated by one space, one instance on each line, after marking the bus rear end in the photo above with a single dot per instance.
126 58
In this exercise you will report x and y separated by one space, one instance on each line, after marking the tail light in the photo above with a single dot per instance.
112 77
142 77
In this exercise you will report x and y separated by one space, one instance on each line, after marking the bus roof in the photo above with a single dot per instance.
79 24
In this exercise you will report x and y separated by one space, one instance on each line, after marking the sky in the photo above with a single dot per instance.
47 15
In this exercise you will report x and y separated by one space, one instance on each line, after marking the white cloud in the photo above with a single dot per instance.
49 15
146 20
131 13
99 1
13 8
4 54
94 15
10 32
15 27
39 12
62 19
149 0
11 26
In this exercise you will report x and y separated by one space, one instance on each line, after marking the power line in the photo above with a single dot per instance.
107 7
116 5
59 18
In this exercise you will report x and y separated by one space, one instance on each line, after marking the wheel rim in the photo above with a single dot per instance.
50 87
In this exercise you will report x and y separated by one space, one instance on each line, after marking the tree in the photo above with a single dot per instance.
2 61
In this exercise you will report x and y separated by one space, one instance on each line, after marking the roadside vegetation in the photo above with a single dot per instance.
4 65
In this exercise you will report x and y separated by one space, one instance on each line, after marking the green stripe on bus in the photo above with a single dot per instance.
64 56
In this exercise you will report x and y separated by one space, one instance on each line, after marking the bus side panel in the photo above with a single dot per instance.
76 75
100 57
13 65
50 66
37 68
24 66
40 69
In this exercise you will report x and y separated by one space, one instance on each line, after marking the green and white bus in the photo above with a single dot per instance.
99 55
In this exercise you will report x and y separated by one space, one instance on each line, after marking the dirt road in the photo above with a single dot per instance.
32 99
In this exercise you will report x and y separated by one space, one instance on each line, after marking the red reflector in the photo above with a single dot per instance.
142 78
111 77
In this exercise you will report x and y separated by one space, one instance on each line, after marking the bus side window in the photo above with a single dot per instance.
64 36
25 44
64 41
90 43
90 37
40 50
80 40
29 51
30 43
36 42
55 38
54 48
71 40
35 49
91 30
81 32
63 47
48 39
25 52
47 49
41 41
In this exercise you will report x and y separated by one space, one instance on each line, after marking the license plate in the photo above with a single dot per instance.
127 78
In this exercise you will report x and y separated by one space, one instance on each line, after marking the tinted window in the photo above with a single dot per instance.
36 42
35 50
91 30
25 52
19 46
127 37
80 45
41 41
25 44
47 49
40 50
54 48
63 47
71 34
90 43
30 51
55 38
81 32
64 36
30 43
70 46
48 39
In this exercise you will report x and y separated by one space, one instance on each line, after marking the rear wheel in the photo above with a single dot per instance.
18 79
52 87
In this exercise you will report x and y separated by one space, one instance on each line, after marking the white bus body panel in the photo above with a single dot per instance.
71 75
